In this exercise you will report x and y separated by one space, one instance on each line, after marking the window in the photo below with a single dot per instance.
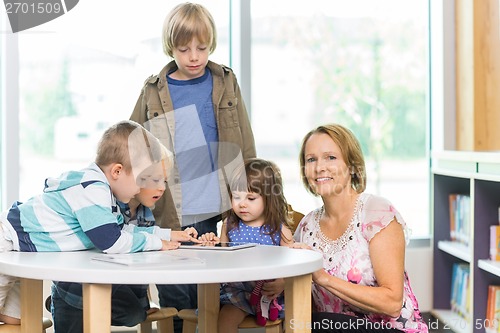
360 63
8 120
82 72
2 98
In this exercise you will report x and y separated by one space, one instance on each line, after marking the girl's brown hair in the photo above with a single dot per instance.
264 178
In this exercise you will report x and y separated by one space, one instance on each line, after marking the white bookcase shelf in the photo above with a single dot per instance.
456 249
476 174
489 266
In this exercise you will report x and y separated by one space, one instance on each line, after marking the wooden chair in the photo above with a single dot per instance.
190 321
6 328
164 319
294 218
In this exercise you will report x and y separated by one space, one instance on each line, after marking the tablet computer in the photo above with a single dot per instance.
222 246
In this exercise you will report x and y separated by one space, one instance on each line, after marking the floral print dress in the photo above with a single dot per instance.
348 258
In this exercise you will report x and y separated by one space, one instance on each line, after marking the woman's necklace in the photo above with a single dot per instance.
332 246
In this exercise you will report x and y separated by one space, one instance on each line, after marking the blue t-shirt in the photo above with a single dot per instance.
196 144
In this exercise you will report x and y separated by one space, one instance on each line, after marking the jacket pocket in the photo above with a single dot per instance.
157 124
228 114
154 110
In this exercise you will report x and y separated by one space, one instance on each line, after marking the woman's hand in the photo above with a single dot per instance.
274 288
299 246
320 277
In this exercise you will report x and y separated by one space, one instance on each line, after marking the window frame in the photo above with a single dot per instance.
9 123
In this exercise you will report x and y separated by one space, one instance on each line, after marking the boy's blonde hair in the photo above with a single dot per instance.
131 145
186 21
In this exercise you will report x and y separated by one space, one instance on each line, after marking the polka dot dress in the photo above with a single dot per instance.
258 235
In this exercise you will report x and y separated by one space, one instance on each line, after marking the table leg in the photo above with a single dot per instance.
298 304
96 308
31 314
208 307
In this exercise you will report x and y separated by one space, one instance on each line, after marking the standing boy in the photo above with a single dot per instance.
194 106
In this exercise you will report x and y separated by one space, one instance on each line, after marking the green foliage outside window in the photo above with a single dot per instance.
44 106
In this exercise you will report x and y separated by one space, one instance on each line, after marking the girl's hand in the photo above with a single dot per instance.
299 246
209 237
169 245
188 235
274 288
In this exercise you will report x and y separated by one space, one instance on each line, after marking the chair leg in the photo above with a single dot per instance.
146 327
189 326
165 325
273 329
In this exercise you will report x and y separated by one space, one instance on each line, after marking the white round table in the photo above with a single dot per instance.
207 268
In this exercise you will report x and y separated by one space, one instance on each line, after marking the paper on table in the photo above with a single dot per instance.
160 258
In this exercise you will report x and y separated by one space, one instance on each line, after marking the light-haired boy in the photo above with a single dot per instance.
195 107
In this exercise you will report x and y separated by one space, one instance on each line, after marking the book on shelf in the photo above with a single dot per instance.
492 317
459 207
460 290
452 203
495 242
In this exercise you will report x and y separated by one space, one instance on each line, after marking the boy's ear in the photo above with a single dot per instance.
116 170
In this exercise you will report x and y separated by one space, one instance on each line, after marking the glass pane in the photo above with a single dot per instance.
360 63
84 71
2 87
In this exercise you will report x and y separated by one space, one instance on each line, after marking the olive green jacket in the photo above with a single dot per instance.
154 111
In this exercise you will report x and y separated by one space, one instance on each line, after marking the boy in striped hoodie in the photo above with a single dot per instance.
79 210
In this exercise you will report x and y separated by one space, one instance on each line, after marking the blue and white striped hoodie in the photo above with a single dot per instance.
78 211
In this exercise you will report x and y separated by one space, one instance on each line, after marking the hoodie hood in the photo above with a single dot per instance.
69 179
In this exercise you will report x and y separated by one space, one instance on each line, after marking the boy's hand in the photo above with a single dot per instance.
191 232
209 237
169 245
187 235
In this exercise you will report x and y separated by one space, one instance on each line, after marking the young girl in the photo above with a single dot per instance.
259 215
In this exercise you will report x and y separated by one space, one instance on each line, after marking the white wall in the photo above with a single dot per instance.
419 267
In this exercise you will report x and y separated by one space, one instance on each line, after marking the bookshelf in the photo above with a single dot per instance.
476 174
